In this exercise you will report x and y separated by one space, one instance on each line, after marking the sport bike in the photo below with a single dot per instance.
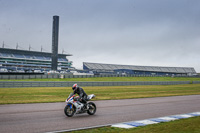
74 106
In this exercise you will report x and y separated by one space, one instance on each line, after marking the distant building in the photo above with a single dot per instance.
27 61
99 68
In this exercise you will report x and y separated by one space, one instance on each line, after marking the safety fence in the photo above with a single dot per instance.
18 84
61 76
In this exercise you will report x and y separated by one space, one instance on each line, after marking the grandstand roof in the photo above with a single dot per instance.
100 66
17 51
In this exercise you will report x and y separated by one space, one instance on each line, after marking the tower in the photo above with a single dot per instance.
55 34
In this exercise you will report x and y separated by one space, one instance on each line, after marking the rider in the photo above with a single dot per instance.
81 93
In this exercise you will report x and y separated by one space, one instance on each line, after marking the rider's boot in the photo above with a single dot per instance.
86 106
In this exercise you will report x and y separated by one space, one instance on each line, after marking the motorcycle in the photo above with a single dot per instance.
74 106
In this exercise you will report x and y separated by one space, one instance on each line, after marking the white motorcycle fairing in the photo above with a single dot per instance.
76 107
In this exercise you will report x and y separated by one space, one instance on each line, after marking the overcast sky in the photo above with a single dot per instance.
127 32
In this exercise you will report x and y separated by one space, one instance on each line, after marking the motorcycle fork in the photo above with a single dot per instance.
72 107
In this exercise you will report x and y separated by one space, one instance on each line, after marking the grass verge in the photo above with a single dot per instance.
59 94
190 125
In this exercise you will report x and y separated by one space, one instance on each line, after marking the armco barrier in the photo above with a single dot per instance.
50 76
196 82
15 84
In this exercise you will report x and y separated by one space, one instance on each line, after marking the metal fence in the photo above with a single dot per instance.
18 84
50 76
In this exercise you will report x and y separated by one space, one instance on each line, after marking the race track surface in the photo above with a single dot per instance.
47 117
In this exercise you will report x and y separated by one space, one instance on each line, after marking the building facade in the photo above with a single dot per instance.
100 68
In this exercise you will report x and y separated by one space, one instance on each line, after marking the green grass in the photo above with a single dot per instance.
59 94
190 125
116 79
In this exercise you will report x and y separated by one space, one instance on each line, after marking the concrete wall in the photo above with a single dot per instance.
12 84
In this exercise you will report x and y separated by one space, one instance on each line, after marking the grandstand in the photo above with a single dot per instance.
14 60
100 68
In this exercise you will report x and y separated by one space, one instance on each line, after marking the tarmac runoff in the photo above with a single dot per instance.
133 124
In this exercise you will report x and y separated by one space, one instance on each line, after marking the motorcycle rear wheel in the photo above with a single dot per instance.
92 108
69 112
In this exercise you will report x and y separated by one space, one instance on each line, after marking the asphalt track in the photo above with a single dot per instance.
47 117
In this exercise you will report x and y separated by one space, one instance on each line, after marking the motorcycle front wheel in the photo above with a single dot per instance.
69 112
92 108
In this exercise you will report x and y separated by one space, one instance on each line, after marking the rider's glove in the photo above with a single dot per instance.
80 99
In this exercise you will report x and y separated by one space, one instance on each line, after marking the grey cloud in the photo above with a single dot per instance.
139 32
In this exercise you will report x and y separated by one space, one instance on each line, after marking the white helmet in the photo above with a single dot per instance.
75 86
